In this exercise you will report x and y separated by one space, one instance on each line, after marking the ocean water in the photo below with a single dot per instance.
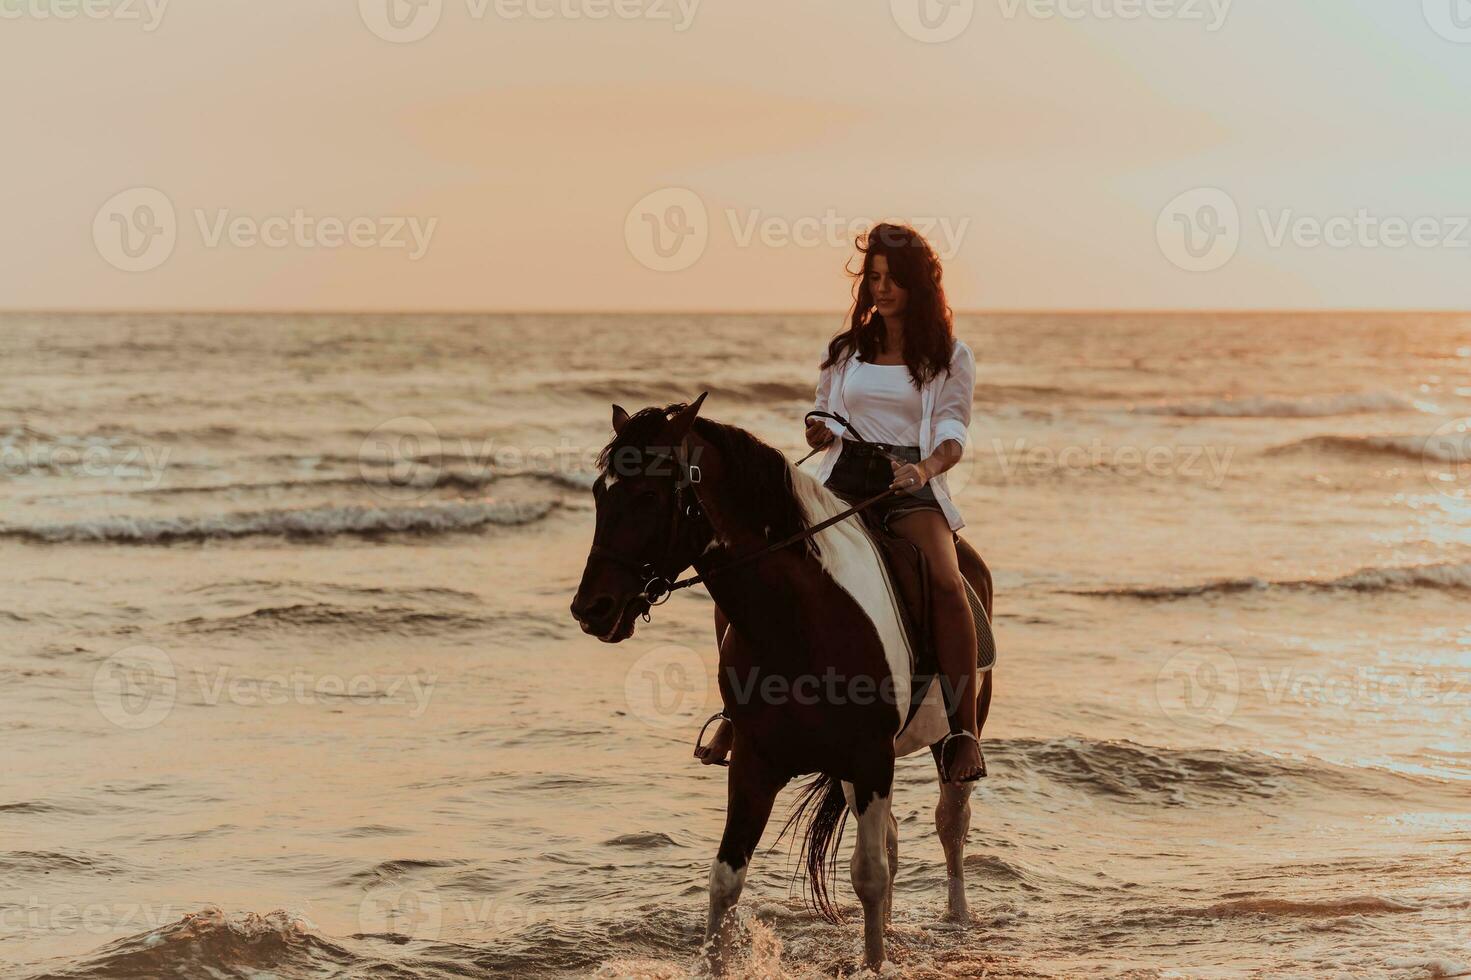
289 687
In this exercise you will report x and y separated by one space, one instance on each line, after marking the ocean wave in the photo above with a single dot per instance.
211 943
435 476
646 840
1432 449
429 478
1129 773
50 862
1453 576
31 806
639 392
634 393
326 616
1048 394
249 587
1322 909
439 518
1258 406
1430 967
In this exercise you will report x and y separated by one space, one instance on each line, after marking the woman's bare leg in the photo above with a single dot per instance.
954 632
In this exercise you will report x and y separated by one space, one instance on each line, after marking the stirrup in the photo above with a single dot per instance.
700 738
945 770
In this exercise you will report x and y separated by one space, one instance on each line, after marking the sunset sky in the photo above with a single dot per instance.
518 138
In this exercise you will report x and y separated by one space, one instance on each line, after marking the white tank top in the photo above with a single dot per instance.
883 403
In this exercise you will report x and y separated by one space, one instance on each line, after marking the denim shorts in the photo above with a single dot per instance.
861 473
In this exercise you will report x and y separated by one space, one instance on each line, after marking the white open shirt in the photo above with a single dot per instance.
945 402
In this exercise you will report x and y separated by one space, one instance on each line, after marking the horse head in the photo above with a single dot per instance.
649 527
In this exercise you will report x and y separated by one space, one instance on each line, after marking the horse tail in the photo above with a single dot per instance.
818 817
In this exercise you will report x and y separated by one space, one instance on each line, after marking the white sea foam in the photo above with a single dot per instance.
1434 449
1260 406
1452 576
313 522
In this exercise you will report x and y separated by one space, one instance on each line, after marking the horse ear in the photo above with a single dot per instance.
620 419
679 426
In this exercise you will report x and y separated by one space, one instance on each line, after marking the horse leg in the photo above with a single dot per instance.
952 823
892 841
870 867
750 793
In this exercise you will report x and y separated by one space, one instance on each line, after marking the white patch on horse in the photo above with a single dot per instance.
726 885
853 560
726 881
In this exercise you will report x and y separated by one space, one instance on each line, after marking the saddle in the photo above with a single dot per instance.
909 571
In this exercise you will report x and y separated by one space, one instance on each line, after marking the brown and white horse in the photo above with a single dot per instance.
814 667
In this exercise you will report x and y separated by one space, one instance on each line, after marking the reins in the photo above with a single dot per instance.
661 596
849 426
658 588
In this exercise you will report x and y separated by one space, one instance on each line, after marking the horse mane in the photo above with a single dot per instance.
768 498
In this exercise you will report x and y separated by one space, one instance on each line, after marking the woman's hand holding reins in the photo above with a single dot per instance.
818 434
909 477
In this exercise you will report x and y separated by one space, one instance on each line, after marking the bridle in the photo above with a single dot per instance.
658 587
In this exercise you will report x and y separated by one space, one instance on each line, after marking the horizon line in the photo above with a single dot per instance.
997 311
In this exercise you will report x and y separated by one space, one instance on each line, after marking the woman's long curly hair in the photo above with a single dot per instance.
929 334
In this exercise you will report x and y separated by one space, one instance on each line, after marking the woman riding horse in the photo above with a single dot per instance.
905 384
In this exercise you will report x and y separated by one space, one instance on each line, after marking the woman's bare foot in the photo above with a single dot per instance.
965 762
719 747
